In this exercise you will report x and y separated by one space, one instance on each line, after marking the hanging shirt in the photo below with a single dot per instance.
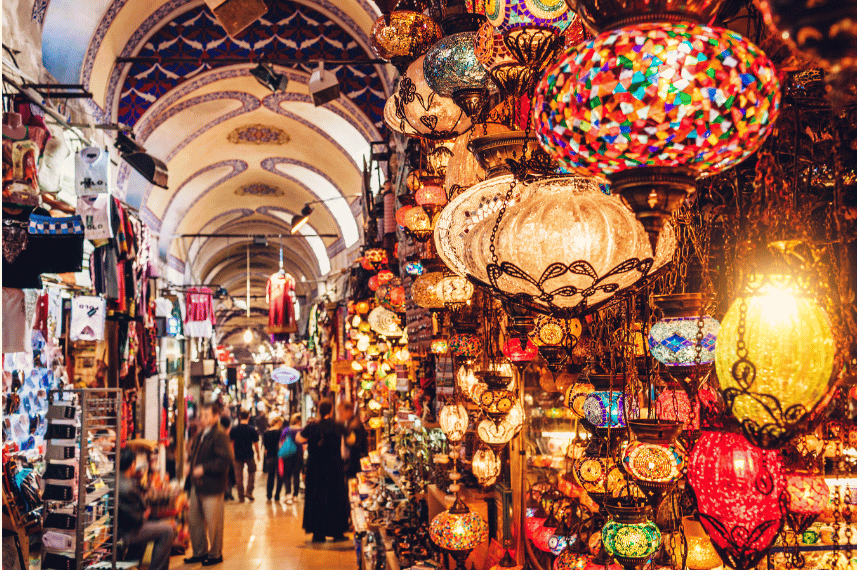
281 306
94 210
87 318
200 313
92 171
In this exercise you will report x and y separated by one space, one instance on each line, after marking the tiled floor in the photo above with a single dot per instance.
268 536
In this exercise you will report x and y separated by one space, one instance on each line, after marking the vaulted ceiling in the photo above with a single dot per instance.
241 159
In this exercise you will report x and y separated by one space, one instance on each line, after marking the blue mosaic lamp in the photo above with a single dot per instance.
673 339
452 69
605 408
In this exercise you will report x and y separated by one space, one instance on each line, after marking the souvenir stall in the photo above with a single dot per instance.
604 315
78 341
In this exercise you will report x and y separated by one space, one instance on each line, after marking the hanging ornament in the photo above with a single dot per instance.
403 35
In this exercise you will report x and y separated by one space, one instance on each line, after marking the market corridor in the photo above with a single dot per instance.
268 536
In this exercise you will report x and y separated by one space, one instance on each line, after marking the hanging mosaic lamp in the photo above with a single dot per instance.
455 291
673 404
401 213
520 353
673 339
439 346
738 488
602 15
385 322
463 170
465 346
531 29
568 559
629 536
701 555
415 110
451 69
425 291
458 531
414 268
419 223
807 496
605 409
563 248
654 459
654 106
774 358
497 402
576 396
391 295
825 30
431 195
485 466
453 420
466 380
403 35
495 434
597 472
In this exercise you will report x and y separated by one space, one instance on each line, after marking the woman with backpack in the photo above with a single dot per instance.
291 459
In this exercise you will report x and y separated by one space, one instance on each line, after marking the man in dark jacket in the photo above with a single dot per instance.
133 526
208 464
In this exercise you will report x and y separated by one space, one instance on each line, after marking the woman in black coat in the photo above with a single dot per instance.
326 503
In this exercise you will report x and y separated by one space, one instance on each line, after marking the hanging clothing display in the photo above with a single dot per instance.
94 210
15 337
60 242
22 146
200 320
91 171
280 294
87 318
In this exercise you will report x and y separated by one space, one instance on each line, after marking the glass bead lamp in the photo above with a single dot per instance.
391 295
562 222
420 223
673 102
439 346
654 459
672 340
701 555
485 466
458 531
416 110
455 291
465 346
596 471
673 404
431 195
807 496
738 488
576 396
425 291
787 354
451 69
629 536
453 421
568 559
403 36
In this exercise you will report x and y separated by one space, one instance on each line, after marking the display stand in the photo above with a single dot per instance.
81 413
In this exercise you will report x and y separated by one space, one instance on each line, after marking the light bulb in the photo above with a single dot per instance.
248 335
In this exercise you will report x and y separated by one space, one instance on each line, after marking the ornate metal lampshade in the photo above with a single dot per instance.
774 358
418 111
403 36
609 14
463 170
453 421
738 488
699 100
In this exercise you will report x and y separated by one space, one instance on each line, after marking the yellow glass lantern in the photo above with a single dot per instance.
700 552
779 368
426 290
485 466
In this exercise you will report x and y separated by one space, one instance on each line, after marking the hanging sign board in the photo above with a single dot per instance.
285 375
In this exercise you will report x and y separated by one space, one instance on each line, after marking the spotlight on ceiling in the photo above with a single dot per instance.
323 86
236 15
150 167
299 220
266 76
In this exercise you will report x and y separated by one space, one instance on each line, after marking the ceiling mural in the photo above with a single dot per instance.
259 134
259 189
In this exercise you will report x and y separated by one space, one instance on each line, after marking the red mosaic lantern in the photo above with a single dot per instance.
738 488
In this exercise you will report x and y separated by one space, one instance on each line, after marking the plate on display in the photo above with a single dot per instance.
285 375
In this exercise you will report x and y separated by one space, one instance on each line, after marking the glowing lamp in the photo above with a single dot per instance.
701 555
453 421
654 460
391 295
604 408
485 466
808 495
420 223
403 36
629 536
497 402
361 307
458 530
495 434
466 380
787 357
431 194
426 291
568 559
596 471
653 106
516 351
414 268
451 65
466 346
385 322
439 346
738 488
674 405
673 339
576 396
455 291
400 214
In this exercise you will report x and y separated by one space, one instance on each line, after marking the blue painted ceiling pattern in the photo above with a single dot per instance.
289 30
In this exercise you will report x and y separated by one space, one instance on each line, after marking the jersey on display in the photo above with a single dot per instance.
200 313
94 210
87 318
92 171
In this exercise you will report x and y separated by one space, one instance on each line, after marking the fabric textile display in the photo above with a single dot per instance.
280 293
16 336
87 318
199 320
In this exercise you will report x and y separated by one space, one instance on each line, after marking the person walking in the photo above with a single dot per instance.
134 526
245 441
357 438
293 465
208 466
326 500
271 444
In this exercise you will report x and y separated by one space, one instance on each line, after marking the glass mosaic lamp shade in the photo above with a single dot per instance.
490 49
403 37
385 322
672 341
420 223
391 295
568 559
485 466
416 110
507 15
672 101
439 346
400 214
495 434
576 396
608 14
807 496
673 404
790 346
431 193
603 409
425 291
465 346
497 402
560 222
453 421
629 535
701 555
517 351
458 529
451 65
414 268
738 488
455 291
654 459
596 471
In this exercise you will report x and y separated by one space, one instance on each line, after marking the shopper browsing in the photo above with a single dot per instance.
271 444
245 441
293 464
208 468
134 526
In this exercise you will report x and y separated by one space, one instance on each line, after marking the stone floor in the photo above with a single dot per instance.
263 535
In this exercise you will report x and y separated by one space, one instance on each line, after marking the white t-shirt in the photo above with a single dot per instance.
94 210
87 318
92 171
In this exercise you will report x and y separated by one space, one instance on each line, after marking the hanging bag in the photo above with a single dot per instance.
288 449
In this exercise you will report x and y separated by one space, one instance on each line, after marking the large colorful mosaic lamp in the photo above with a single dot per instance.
654 106
458 531
673 339
403 35
604 407
654 459
629 536
452 69
531 29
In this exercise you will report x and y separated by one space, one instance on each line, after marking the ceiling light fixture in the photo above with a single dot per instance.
299 220
152 169
267 77
323 86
